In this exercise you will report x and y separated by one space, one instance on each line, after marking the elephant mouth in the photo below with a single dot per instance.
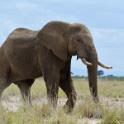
91 64
85 61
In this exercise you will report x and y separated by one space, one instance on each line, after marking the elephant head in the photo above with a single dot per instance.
80 43
66 40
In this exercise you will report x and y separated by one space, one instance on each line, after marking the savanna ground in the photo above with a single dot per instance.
110 110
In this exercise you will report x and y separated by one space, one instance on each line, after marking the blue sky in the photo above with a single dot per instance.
104 18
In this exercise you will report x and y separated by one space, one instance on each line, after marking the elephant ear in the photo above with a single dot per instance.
54 42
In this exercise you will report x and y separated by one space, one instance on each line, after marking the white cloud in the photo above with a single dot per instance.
108 37
27 6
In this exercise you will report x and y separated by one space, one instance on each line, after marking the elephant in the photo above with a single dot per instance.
25 88
27 55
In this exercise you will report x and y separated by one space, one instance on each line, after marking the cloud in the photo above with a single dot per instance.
26 6
104 19
110 46
108 37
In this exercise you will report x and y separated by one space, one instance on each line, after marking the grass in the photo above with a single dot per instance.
85 108
42 114
106 88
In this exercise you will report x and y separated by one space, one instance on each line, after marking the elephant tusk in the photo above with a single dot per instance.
86 62
77 57
104 66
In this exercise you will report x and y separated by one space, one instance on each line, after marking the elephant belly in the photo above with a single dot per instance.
22 74
19 70
24 66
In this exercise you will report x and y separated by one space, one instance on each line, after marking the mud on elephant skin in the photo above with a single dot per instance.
27 54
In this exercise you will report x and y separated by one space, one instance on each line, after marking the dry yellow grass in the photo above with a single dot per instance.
108 111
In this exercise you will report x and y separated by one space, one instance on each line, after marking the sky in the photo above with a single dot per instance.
104 18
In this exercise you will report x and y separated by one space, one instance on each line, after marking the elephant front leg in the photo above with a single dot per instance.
52 85
68 87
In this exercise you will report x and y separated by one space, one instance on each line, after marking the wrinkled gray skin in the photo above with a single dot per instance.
27 54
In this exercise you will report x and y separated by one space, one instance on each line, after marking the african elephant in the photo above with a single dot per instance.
25 88
27 54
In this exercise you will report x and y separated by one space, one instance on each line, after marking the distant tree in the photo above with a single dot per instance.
100 72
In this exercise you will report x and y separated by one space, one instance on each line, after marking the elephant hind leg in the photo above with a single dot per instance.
67 86
25 87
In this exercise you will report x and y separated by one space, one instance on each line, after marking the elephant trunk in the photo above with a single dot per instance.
92 77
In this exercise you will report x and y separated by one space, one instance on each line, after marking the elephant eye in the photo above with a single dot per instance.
78 40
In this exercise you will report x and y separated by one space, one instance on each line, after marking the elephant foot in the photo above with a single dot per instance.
27 103
96 99
52 103
68 107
